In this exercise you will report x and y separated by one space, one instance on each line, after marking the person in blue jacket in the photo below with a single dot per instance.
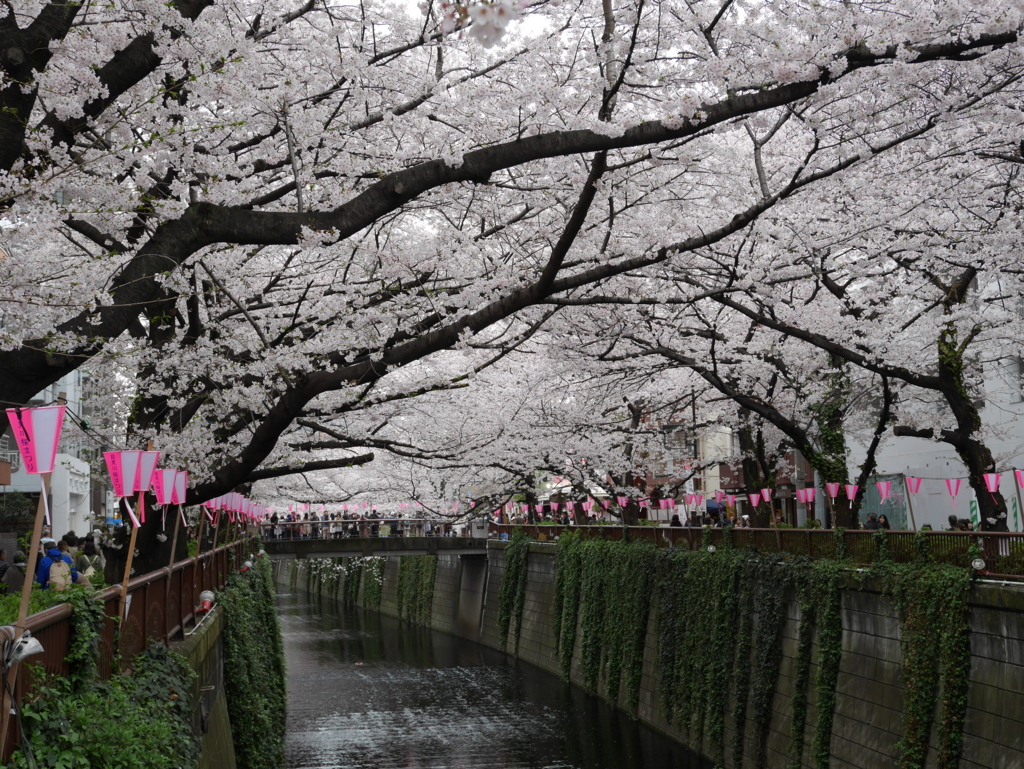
53 554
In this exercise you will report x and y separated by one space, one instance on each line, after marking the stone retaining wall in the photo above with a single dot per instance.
869 693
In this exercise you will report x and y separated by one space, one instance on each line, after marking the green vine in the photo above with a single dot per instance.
703 641
140 719
931 602
353 578
254 675
373 582
742 666
719 620
801 679
616 608
568 581
415 593
772 580
512 596
824 594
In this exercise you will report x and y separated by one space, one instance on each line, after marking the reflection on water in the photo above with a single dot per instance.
365 690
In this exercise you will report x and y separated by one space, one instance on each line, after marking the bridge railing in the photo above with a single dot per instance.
1002 552
160 605
384 527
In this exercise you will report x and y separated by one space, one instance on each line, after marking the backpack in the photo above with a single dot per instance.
91 561
60 575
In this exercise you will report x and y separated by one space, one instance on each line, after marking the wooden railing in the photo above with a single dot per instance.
162 604
1002 552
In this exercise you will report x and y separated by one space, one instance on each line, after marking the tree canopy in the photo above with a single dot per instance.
274 221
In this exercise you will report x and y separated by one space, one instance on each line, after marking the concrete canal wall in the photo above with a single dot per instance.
204 650
868 715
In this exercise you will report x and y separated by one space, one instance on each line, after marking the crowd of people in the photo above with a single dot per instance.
343 525
70 560
721 519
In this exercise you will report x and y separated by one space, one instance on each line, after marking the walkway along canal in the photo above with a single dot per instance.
750 658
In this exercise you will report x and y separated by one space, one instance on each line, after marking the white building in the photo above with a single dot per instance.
934 461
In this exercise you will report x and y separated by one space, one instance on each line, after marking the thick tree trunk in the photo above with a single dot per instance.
975 455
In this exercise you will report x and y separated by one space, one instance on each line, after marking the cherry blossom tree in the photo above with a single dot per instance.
264 216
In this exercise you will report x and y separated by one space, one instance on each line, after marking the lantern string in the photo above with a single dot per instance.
46 502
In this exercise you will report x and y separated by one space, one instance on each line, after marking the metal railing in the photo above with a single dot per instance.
366 527
161 604
1002 552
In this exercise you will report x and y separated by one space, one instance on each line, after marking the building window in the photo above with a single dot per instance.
1016 380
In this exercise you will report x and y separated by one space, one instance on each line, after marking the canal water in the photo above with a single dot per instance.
368 691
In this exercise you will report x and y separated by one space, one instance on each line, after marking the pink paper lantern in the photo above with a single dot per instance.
809 493
671 504
622 501
730 500
180 484
691 499
755 499
163 486
851 491
833 490
953 487
123 467
992 482
801 495
1019 474
766 495
698 499
147 466
37 433
884 487
719 496
914 484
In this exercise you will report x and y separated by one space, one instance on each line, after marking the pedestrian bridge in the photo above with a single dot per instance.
284 549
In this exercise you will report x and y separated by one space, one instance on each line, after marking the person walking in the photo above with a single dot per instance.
14 575
89 562
56 570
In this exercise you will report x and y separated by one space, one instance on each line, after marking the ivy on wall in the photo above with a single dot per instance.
324 575
616 581
512 596
373 582
931 602
254 674
719 625
353 578
568 581
415 591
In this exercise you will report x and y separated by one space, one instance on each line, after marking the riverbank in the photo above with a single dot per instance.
783 661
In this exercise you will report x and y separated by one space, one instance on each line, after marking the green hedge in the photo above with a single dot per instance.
140 719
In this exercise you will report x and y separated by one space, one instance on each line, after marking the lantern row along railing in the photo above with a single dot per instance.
161 606
1002 553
